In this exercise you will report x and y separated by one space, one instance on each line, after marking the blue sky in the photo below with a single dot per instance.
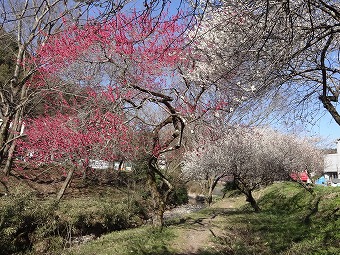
325 128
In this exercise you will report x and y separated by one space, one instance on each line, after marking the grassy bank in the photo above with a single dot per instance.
230 227
42 226
292 221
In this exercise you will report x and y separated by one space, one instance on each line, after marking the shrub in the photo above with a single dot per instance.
179 196
23 220
29 223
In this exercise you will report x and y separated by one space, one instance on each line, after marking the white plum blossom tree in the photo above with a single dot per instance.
206 165
284 54
254 157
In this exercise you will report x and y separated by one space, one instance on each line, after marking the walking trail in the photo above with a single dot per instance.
201 231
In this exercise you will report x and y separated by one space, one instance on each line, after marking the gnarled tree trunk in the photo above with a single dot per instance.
159 194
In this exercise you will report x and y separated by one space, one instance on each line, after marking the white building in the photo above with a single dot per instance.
99 164
332 164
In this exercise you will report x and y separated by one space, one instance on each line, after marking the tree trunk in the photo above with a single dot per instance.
212 186
10 148
16 128
120 166
5 187
3 136
247 191
252 201
327 104
159 194
158 218
65 184
9 160
209 198
158 203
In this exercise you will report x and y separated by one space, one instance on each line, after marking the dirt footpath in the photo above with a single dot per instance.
197 234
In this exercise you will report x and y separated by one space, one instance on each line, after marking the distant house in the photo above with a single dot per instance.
302 176
105 165
100 164
321 181
332 164
332 168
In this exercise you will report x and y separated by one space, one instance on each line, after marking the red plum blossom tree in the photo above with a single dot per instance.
72 138
136 61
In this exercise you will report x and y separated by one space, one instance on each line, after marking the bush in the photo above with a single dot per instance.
229 186
23 220
84 216
179 196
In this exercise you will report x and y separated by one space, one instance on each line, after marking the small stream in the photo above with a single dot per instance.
193 205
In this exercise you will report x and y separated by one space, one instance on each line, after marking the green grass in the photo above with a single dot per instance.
36 226
280 228
141 241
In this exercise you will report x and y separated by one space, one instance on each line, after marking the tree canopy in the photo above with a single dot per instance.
284 53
